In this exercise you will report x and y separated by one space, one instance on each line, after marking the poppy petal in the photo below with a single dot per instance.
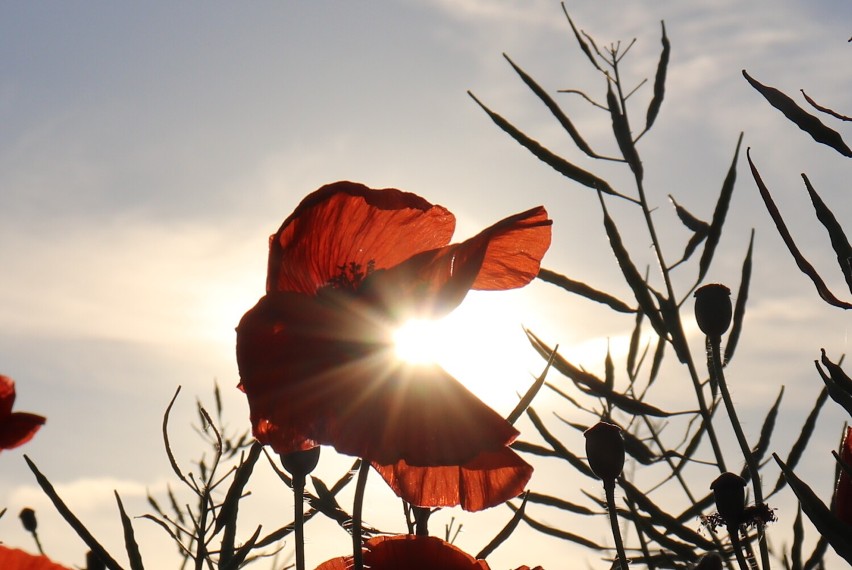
7 395
15 559
505 256
843 490
410 552
488 480
340 232
18 428
315 374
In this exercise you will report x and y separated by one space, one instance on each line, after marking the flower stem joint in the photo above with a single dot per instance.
713 309
605 450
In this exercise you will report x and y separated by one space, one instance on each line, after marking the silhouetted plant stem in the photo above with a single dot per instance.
718 373
421 520
649 223
733 531
357 509
609 490
299 519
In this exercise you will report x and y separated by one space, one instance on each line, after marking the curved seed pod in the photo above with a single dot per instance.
839 241
621 130
659 81
554 109
740 305
719 214
804 120
584 290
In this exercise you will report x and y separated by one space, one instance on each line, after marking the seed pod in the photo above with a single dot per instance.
729 492
28 519
300 463
713 309
605 450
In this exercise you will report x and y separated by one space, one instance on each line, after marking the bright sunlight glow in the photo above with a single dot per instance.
419 341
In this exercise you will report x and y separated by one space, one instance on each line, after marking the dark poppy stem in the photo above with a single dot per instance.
609 490
299 521
719 374
357 509
421 520
733 531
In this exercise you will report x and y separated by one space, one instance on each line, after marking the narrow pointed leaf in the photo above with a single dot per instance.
838 239
659 81
804 120
836 533
803 264
227 517
594 384
243 552
557 445
719 214
609 369
740 304
689 220
554 109
802 441
658 360
505 532
555 532
633 348
561 504
527 447
660 517
836 382
762 445
130 543
527 399
632 276
556 162
71 519
798 538
584 290
815 560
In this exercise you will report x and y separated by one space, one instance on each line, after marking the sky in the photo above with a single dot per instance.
148 150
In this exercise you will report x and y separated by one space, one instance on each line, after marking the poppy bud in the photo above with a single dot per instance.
729 492
710 561
713 309
605 450
93 562
300 463
28 519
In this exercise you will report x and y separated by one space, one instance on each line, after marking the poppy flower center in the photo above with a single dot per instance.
351 275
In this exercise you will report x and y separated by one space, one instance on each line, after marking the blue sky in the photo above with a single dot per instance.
147 152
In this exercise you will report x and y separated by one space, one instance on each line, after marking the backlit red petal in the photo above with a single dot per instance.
843 491
410 552
432 283
389 411
490 479
15 559
347 223
7 395
18 428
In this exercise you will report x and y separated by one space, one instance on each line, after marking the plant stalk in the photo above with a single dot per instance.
719 374
609 490
357 509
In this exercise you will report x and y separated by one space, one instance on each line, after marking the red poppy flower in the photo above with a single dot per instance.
315 356
16 428
410 552
843 492
14 559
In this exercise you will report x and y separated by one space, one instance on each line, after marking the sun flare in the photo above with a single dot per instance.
481 343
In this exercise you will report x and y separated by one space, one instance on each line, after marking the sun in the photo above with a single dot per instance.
481 343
